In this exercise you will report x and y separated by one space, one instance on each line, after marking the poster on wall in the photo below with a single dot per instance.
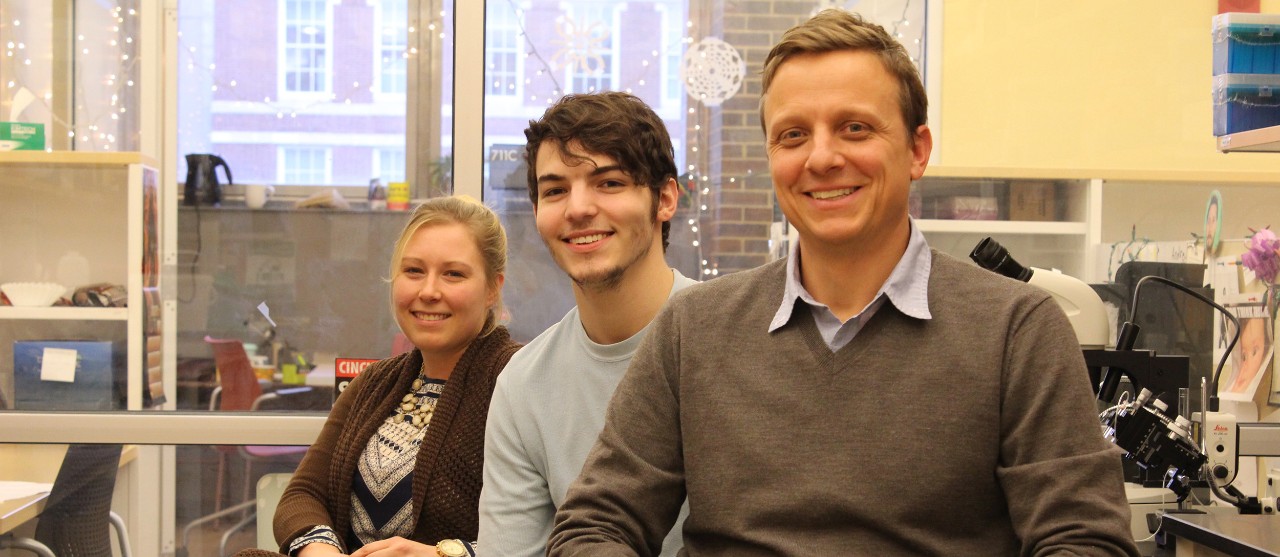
1251 356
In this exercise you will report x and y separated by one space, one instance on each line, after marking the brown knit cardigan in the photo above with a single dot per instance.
448 475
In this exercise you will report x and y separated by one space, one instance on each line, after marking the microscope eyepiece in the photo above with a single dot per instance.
992 256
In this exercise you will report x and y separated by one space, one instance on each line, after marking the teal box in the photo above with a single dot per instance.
1246 43
21 136
98 380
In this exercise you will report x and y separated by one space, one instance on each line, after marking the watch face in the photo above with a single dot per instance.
451 548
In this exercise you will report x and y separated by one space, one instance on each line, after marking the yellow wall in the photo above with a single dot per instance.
1095 84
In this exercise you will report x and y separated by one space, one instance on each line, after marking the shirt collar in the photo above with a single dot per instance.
907 287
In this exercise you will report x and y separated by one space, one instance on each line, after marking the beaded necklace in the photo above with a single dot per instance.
417 407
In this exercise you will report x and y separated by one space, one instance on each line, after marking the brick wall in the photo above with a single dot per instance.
741 196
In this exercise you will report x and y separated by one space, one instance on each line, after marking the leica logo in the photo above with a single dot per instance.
1220 429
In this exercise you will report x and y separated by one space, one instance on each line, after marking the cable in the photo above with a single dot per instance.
1133 309
1222 493
1159 523
194 260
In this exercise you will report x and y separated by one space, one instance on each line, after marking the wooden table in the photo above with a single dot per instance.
35 463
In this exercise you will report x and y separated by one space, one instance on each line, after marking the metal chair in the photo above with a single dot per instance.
240 390
77 517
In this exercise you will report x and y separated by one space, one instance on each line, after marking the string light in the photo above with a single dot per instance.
85 122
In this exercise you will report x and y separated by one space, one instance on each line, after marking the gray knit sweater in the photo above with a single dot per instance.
971 433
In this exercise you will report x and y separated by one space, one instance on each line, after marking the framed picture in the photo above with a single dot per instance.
1213 223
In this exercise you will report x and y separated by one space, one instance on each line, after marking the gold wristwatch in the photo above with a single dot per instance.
452 548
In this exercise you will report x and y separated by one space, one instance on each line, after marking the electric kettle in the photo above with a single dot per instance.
202 179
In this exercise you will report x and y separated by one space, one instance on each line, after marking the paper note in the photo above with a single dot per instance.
266 312
10 490
58 364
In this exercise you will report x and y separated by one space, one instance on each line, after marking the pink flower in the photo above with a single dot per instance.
1263 257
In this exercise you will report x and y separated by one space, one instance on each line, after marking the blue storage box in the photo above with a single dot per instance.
96 370
1243 102
1246 43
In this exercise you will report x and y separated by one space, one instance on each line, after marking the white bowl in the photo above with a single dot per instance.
33 294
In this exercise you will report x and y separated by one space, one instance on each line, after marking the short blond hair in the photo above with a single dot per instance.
835 30
485 228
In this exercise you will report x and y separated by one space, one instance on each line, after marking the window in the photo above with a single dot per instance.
393 45
671 54
304 165
389 165
342 88
304 38
502 53
586 40
726 217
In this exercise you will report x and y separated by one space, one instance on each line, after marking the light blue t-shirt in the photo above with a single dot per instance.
547 410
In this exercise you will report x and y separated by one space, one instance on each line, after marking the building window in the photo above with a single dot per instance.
393 43
389 165
672 53
304 165
503 38
305 36
587 32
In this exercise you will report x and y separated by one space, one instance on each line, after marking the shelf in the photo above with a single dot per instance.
1264 140
1112 174
1002 227
86 158
65 312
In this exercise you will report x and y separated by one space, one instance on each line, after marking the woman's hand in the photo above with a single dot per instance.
396 547
318 548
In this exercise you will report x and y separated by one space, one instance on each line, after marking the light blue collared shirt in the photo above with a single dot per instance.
907 289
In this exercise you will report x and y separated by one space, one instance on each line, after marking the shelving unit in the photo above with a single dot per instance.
102 211
1264 140
1058 238
68 313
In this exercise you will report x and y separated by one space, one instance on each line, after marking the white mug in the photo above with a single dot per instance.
256 195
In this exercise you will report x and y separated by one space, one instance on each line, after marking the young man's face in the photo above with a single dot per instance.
596 221
841 157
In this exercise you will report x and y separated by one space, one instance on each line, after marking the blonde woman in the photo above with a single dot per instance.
397 468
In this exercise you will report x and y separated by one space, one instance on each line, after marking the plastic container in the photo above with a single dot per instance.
1243 102
1246 43
398 196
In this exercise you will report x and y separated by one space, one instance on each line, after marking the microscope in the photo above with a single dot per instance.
1152 427
1159 448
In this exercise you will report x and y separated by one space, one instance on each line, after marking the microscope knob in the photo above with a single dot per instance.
1220 472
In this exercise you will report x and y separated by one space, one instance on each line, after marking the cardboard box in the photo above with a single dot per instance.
1033 200
21 136
1243 102
965 207
1246 43
69 375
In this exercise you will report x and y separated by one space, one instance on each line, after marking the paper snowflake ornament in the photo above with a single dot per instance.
580 46
712 71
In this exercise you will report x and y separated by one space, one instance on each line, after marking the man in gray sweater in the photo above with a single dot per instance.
866 396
